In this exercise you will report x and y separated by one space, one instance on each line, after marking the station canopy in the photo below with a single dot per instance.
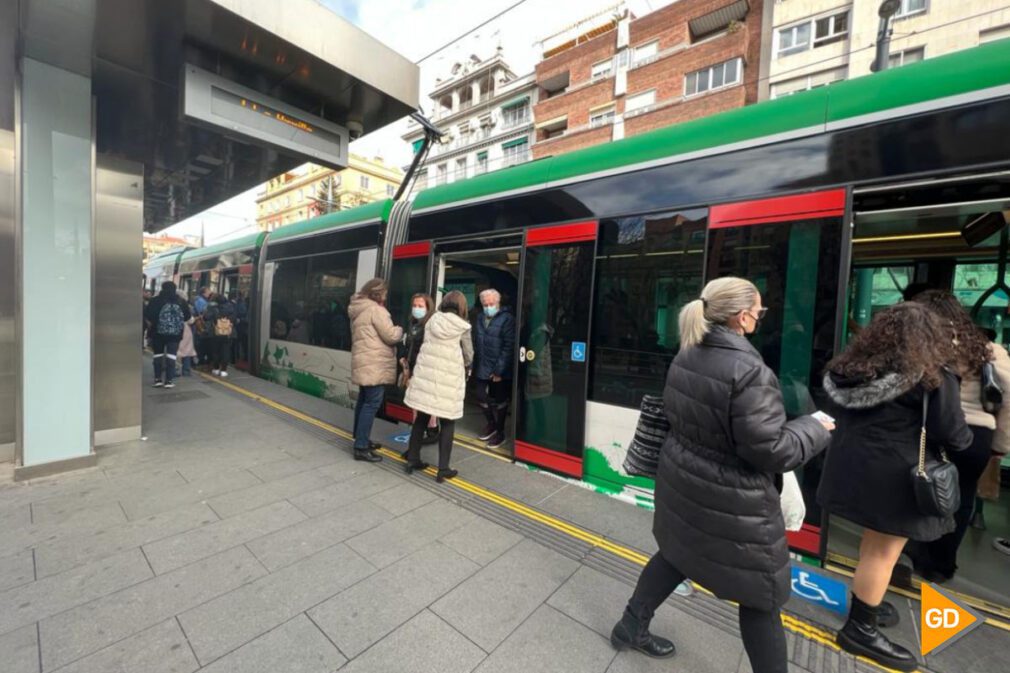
308 72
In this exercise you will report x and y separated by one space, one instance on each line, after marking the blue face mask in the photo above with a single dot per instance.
490 311
418 312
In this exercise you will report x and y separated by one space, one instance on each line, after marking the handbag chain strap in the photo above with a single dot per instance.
922 437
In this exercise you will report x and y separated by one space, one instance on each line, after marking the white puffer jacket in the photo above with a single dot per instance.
438 382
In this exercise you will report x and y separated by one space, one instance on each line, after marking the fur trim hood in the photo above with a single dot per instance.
860 393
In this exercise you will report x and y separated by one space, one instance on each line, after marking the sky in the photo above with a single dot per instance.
415 28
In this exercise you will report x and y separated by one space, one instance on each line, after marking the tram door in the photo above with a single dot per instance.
791 248
409 273
553 346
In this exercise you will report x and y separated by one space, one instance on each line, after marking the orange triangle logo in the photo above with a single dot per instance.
942 620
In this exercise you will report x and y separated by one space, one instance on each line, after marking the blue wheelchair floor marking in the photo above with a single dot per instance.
400 438
578 351
820 590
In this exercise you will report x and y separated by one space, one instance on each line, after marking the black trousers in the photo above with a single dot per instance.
493 398
220 352
445 440
941 555
762 632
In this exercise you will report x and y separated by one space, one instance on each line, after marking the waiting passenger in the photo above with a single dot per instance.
166 318
201 332
879 384
187 348
220 321
373 360
421 308
937 561
718 514
438 382
494 349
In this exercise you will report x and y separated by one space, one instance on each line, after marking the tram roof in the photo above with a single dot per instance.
370 212
243 243
167 255
960 78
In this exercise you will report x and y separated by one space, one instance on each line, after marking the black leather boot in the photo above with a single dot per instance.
633 633
887 615
861 636
367 455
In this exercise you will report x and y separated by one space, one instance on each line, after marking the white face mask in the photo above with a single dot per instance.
418 312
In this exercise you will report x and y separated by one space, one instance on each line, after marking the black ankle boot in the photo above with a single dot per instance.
634 633
861 636
367 455
887 615
445 473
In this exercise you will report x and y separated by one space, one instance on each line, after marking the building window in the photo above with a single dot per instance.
515 152
640 101
911 8
481 162
390 191
461 168
795 85
794 39
905 57
602 69
716 77
364 181
422 179
831 29
440 174
645 52
993 34
601 117
515 115
555 85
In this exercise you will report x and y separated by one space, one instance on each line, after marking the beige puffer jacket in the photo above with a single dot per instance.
373 343
971 402
438 383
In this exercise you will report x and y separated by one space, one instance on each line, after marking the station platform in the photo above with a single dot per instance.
240 535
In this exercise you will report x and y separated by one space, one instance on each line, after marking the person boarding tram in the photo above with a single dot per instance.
494 349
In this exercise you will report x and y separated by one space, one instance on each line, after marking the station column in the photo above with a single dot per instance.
55 279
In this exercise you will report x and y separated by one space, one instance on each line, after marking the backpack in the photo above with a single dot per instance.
222 327
170 320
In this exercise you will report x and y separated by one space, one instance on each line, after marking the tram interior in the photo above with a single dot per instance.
471 273
950 236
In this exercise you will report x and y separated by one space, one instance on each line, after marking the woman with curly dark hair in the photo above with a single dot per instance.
936 561
877 386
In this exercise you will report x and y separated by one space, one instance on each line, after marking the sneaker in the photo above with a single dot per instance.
158 384
216 372
1002 545
224 374
487 433
684 589
496 441
170 384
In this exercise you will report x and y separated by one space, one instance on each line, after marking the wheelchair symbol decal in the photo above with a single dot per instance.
824 591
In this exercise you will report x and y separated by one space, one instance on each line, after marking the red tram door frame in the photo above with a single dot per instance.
414 250
810 538
557 236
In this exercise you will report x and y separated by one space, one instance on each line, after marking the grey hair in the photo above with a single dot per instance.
490 291
721 299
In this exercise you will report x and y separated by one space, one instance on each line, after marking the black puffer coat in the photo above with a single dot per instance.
718 516
867 474
494 345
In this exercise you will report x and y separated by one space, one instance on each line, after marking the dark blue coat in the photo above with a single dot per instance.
494 345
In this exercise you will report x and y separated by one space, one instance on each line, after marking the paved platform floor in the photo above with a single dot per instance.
237 538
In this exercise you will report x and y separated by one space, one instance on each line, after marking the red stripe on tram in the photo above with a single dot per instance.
408 250
554 460
563 233
780 209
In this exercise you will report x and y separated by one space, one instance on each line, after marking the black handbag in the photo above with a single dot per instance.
643 452
935 483
992 392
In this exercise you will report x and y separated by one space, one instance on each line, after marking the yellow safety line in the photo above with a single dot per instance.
790 622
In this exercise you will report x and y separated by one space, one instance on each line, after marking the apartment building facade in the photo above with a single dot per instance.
310 190
613 75
484 111
817 42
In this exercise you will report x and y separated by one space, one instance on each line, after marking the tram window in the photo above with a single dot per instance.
971 281
647 267
795 266
407 277
287 306
331 283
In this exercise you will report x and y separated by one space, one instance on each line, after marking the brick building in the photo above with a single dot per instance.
613 75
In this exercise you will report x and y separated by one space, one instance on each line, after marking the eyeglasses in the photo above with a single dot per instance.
760 314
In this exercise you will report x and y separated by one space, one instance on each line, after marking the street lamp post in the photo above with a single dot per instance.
888 8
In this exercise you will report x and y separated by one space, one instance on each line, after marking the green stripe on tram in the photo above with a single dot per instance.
370 212
962 72
243 243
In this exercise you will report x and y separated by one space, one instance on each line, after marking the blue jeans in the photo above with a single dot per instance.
165 348
367 406
187 365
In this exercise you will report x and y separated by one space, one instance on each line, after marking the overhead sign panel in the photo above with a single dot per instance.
255 117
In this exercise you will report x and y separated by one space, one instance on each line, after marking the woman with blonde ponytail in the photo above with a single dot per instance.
718 516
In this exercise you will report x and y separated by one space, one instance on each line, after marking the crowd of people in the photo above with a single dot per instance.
184 334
